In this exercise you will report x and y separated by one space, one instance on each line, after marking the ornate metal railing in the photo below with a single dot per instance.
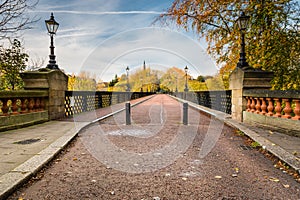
82 101
275 103
217 100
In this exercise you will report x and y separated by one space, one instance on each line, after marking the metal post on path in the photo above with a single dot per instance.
127 111
185 114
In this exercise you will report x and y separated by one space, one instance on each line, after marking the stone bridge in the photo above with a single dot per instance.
269 118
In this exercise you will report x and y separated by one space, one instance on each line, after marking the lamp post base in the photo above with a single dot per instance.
52 66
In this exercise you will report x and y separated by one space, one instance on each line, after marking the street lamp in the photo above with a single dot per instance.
52 27
242 22
186 89
176 90
127 72
142 84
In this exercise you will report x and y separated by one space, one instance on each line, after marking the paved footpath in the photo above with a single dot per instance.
25 151
285 147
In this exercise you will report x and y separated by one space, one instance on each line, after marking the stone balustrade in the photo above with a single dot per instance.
21 108
19 102
273 109
282 104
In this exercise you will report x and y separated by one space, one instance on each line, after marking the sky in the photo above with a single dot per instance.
104 37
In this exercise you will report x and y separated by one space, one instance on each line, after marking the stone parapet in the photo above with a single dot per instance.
284 125
241 80
56 82
22 108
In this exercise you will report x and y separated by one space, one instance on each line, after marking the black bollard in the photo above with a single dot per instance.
127 110
185 113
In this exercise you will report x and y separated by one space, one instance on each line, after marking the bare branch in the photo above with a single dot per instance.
13 17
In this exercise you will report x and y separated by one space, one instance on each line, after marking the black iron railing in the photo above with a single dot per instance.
217 100
82 101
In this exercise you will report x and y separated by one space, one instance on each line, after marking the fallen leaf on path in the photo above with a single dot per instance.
236 170
74 159
274 179
271 132
286 186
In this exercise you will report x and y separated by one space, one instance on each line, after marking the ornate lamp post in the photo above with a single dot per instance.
176 90
186 89
52 27
142 85
127 72
242 22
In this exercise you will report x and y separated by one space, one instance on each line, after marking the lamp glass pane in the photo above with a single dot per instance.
244 23
52 26
185 69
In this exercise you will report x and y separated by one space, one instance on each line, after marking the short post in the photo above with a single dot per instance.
185 113
127 110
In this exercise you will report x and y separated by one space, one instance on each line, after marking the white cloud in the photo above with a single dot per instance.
92 35
100 13
155 45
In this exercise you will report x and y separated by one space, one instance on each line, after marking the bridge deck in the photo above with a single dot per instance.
178 156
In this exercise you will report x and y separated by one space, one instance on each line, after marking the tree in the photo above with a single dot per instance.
36 63
114 81
12 62
173 78
139 80
201 78
273 39
195 85
13 16
84 81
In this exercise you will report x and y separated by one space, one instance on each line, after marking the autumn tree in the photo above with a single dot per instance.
84 81
173 79
272 40
140 80
12 62
14 16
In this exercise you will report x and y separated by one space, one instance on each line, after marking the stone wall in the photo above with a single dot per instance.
241 80
55 82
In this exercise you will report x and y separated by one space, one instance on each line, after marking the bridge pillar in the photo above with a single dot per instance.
55 82
244 79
